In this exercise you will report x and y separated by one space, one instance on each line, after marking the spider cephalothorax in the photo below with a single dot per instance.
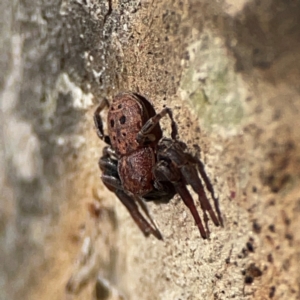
140 165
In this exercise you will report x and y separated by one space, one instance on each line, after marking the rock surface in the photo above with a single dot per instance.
230 72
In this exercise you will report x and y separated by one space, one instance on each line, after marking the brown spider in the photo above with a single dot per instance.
139 165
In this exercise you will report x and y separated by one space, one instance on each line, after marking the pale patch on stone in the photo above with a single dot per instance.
233 7
21 145
77 141
212 86
80 99
9 96
23 148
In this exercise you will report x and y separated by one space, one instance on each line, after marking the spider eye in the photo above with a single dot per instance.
122 120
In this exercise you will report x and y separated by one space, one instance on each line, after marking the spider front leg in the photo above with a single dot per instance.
98 122
145 132
112 181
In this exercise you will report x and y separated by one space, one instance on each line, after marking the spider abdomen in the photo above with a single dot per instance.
135 171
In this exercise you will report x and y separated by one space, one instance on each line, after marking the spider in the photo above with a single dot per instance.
140 165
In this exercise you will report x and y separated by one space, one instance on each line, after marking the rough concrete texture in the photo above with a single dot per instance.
230 72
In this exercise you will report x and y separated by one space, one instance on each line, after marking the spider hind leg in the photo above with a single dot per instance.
180 168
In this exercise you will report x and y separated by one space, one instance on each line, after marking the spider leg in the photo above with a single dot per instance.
98 121
172 154
108 151
165 171
145 132
210 189
113 183
147 213
189 202
190 175
142 223
136 215
108 165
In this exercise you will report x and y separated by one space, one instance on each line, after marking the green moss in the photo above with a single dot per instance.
200 102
